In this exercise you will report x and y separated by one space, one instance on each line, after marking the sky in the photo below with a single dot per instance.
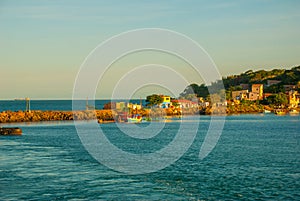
44 43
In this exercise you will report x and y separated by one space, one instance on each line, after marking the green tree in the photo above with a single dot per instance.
154 99
199 90
279 99
276 88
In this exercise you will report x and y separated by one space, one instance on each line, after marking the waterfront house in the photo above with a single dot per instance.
259 90
239 95
166 102
253 96
134 106
293 98
183 103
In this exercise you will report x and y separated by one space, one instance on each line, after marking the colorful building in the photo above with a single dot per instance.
183 103
293 98
166 102
239 95
259 89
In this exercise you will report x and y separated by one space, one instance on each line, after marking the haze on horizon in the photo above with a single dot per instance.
44 43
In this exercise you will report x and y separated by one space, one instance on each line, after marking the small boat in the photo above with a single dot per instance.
267 111
134 118
10 131
279 112
293 112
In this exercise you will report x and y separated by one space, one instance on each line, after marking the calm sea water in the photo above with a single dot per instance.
257 157
62 105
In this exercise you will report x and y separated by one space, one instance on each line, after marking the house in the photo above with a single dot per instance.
134 106
166 102
239 95
288 88
204 104
293 98
120 106
272 82
183 103
253 96
258 89
244 86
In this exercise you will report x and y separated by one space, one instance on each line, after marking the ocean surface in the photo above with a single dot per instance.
256 157
62 105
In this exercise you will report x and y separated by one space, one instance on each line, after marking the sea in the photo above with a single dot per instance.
59 105
256 157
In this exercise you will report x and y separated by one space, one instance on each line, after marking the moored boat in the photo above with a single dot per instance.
134 118
10 131
279 112
293 112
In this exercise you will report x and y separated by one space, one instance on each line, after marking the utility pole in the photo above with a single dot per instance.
27 104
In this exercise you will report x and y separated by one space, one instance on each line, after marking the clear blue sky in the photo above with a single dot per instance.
43 43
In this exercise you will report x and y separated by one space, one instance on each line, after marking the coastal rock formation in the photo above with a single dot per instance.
36 115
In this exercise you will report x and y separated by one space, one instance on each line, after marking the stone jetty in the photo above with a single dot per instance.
36 115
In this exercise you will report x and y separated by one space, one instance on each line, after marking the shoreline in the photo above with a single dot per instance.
104 116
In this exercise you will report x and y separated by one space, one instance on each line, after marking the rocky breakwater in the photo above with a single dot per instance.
36 116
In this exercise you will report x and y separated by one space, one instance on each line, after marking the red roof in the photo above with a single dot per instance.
184 101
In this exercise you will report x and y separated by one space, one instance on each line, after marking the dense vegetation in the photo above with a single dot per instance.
291 77
231 83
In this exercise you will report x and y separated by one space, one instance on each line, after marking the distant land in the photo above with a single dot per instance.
273 80
261 91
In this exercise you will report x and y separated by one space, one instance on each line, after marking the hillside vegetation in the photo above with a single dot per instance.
291 76
232 82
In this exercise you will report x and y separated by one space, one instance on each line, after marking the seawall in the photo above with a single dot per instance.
35 116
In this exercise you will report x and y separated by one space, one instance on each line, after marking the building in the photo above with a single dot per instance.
253 96
134 106
258 89
272 82
183 103
288 88
293 98
239 95
244 86
120 106
166 102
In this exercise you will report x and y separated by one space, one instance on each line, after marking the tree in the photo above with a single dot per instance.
199 90
154 99
279 99
276 88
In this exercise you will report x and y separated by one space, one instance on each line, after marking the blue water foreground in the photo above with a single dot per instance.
256 157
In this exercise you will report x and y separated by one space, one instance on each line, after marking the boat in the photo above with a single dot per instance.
279 112
293 112
134 119
267 111
10 131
